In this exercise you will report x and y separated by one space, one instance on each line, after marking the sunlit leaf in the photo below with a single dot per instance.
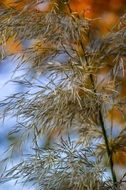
12 46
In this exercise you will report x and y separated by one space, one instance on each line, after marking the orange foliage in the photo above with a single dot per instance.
104 82
97 7
90 8
116 5
108 11
107 22
12 3
12 46
119 157
122 82
81 6
20 5
117 115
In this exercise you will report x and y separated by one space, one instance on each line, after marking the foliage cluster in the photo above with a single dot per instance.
85 95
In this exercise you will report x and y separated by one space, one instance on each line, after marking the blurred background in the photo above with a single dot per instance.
108 11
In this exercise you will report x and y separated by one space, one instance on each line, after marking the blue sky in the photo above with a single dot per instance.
6 71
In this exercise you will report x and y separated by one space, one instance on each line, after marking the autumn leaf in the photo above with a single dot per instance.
116 115
12 46
116 5
80 6
13 4
119 158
